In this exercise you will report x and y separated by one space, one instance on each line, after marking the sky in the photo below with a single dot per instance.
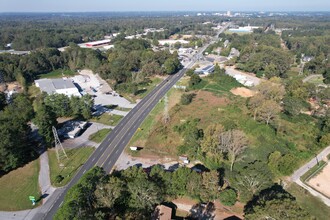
161 5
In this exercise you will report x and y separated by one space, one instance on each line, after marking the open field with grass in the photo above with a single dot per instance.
59 73
76 158
18 185
148 127
143 89
215 104
100 135
310 203
107 119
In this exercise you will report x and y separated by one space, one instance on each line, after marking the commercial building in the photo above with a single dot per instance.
95 43
59 86
205 70
172 42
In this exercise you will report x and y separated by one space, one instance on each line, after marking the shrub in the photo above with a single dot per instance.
59 178
228 197
187 98
194 80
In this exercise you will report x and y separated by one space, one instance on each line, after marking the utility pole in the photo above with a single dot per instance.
60 152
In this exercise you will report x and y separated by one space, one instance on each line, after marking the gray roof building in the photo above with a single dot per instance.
60 86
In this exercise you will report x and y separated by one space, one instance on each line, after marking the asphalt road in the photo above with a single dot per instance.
113 145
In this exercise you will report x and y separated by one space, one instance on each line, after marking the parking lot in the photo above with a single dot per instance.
102 93
82 139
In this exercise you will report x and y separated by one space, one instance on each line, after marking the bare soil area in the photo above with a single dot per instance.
220 212
321 181
243 92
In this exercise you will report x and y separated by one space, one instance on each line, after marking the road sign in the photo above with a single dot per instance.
32 198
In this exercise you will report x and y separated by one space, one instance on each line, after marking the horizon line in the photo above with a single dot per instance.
122 11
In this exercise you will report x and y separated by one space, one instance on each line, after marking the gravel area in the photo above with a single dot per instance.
94 85
125 161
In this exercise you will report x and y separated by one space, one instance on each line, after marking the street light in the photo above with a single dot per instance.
317 161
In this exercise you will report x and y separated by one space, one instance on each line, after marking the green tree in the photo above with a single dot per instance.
79 200
3 101
107 193
268 111
287 164
210 186
45 119
15 148
292 106
194 80
274 203
326 76
180 179
250 179
210 141
187 98
228 197
273 161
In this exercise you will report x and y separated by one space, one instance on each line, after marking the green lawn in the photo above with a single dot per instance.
145 89
18 185
76 158
317 80
310 203
100 135
107 119
142 134
57 74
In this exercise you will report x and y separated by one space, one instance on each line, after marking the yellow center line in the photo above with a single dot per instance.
128 127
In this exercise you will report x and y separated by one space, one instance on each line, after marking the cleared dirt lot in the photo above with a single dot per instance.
321 182
244 92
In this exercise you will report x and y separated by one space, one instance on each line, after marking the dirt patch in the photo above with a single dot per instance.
321 181
221 212
211 99
243 92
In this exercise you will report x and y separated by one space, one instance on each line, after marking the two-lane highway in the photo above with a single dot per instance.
113 145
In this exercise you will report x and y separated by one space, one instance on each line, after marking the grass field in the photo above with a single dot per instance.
107 119
57 74
76 158
18 185
100 135
143 90
310 203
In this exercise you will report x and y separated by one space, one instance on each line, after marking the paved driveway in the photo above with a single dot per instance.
302 170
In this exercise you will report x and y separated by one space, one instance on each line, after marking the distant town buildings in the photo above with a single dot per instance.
245 29
15 52
172 42
95 43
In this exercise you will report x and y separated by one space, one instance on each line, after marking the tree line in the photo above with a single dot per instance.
17 145
134 193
